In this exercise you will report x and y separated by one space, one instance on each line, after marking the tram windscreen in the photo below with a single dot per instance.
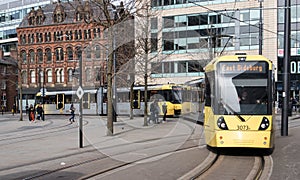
241 88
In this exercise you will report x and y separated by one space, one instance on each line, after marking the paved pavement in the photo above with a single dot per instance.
285 157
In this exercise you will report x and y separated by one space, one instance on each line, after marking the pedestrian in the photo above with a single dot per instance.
14 109
26 109
72 110
154 109
40 112
2 109
164 109
31 113
294 103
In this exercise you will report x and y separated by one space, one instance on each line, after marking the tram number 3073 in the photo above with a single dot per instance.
243 128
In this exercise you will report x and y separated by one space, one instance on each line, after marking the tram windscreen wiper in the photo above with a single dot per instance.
234 113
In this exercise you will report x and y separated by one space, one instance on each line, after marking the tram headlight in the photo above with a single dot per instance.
265 123
221 123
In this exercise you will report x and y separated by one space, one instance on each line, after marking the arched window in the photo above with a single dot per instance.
97 51
24 57
40 56
48 55
49 76
59 54
24 77
59 75
88 75
47 37
23 39
41 77
70 75
62 75
88 53
31 56
32 76
79 53
70 53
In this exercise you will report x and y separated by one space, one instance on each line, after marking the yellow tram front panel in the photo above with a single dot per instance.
239 134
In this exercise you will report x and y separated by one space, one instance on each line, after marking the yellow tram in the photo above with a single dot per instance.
239 106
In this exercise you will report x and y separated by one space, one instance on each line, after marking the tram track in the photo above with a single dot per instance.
240 168
115 165
27 135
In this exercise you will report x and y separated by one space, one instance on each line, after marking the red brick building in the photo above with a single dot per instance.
52 41
8 81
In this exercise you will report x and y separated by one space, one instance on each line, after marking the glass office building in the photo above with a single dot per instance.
192 32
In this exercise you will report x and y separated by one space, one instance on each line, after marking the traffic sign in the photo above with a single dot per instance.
79 92
43 91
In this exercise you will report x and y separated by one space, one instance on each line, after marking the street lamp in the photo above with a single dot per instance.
80 94
260 27
42 88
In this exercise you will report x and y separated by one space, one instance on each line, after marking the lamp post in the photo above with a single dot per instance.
260 27
42 86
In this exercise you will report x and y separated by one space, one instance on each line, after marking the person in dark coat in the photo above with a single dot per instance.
31 113
72 110
40 112
154 109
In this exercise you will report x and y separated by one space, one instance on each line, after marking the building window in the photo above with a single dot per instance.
87 34
154 23
40 56
48 37
32 76
49 76
3 84
24 77
88 53
59 54
41 77
97 51
70 75
70 53
48 55
31 56
59 75
97 32
24 57
168 22
88 75
23 39
39 37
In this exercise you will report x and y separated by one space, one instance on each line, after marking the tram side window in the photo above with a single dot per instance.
136 99
86 100
123 97
60 101
68 99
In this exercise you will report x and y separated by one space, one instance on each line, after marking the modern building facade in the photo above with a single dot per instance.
190 33
295 47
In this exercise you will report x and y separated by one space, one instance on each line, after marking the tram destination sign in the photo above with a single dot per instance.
242 67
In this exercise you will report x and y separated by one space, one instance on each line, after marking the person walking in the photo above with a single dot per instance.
154 109
14 109
72 110
31 113
40 112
